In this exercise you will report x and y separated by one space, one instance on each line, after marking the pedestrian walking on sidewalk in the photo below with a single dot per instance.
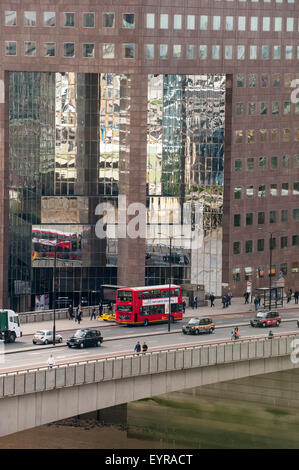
79 318
246 297
256 303
70 312
137 348
184 306
223 300
51 361
229 295
144 348
195 301
212 298
296 295
101 309
93 313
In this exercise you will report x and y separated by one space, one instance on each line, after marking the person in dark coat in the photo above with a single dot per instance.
101 309
79 318
70 312
137 348
93 313
223 300
212 298
144 347
184 306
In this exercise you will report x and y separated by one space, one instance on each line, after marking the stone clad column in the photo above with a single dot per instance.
4 194
132 182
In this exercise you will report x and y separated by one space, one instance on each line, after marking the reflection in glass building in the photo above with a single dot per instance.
185 179
69 137
64 142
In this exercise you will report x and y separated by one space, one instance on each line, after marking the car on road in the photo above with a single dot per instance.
85 338
108 316
263 319
45 337
196 326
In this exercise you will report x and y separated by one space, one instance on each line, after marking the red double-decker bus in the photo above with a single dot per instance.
149 304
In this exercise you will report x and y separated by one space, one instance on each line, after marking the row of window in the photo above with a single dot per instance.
262 163
108 51
261 108
252 136
262 272
88 19
273 217
164 21
68 49
274 190
260 244
265 80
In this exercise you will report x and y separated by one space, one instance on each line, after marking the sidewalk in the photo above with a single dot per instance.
237 307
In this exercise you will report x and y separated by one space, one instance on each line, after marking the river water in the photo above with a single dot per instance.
174 421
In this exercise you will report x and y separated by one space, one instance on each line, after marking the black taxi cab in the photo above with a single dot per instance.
195 326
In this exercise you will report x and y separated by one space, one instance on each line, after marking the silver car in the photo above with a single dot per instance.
45 337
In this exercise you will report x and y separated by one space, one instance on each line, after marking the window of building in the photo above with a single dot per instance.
237 248
274 135
263 133
229 23
238 192
69 49
262 161
216 23
295 240
149 51
251 136
242 23
128 51
10 48
296 214
239 137
251 108
236 275
228 52
49 18
284 215
250 163
248 246
249 192
237 220
285 161
239 109
296 188
248 273
190 51
68 20
262 190
254 23
296 161
88 50
274 163
240 52
240 80
10 18
283 242
177 21
238 164
276 80
109 20
190 21
163 51
277 24
30 48
203 22
252 80
273 189
177 51
264 80
128 20
249 218
203 51
163 21
88 20
290 25
265 52
252 52
49 49
286 107
295 267
285 189
275 107
29 18
263 108
260 244
216 52
261 218
289 52
108 50
150 20
266 23
284 269
272 217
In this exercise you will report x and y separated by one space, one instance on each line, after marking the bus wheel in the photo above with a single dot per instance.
145 322
12 337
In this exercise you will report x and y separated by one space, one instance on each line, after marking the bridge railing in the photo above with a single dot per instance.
70 374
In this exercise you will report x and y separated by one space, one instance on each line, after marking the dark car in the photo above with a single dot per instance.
85 338
263 319
198 325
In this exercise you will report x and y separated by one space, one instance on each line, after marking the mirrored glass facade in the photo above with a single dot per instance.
64 137
186 119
